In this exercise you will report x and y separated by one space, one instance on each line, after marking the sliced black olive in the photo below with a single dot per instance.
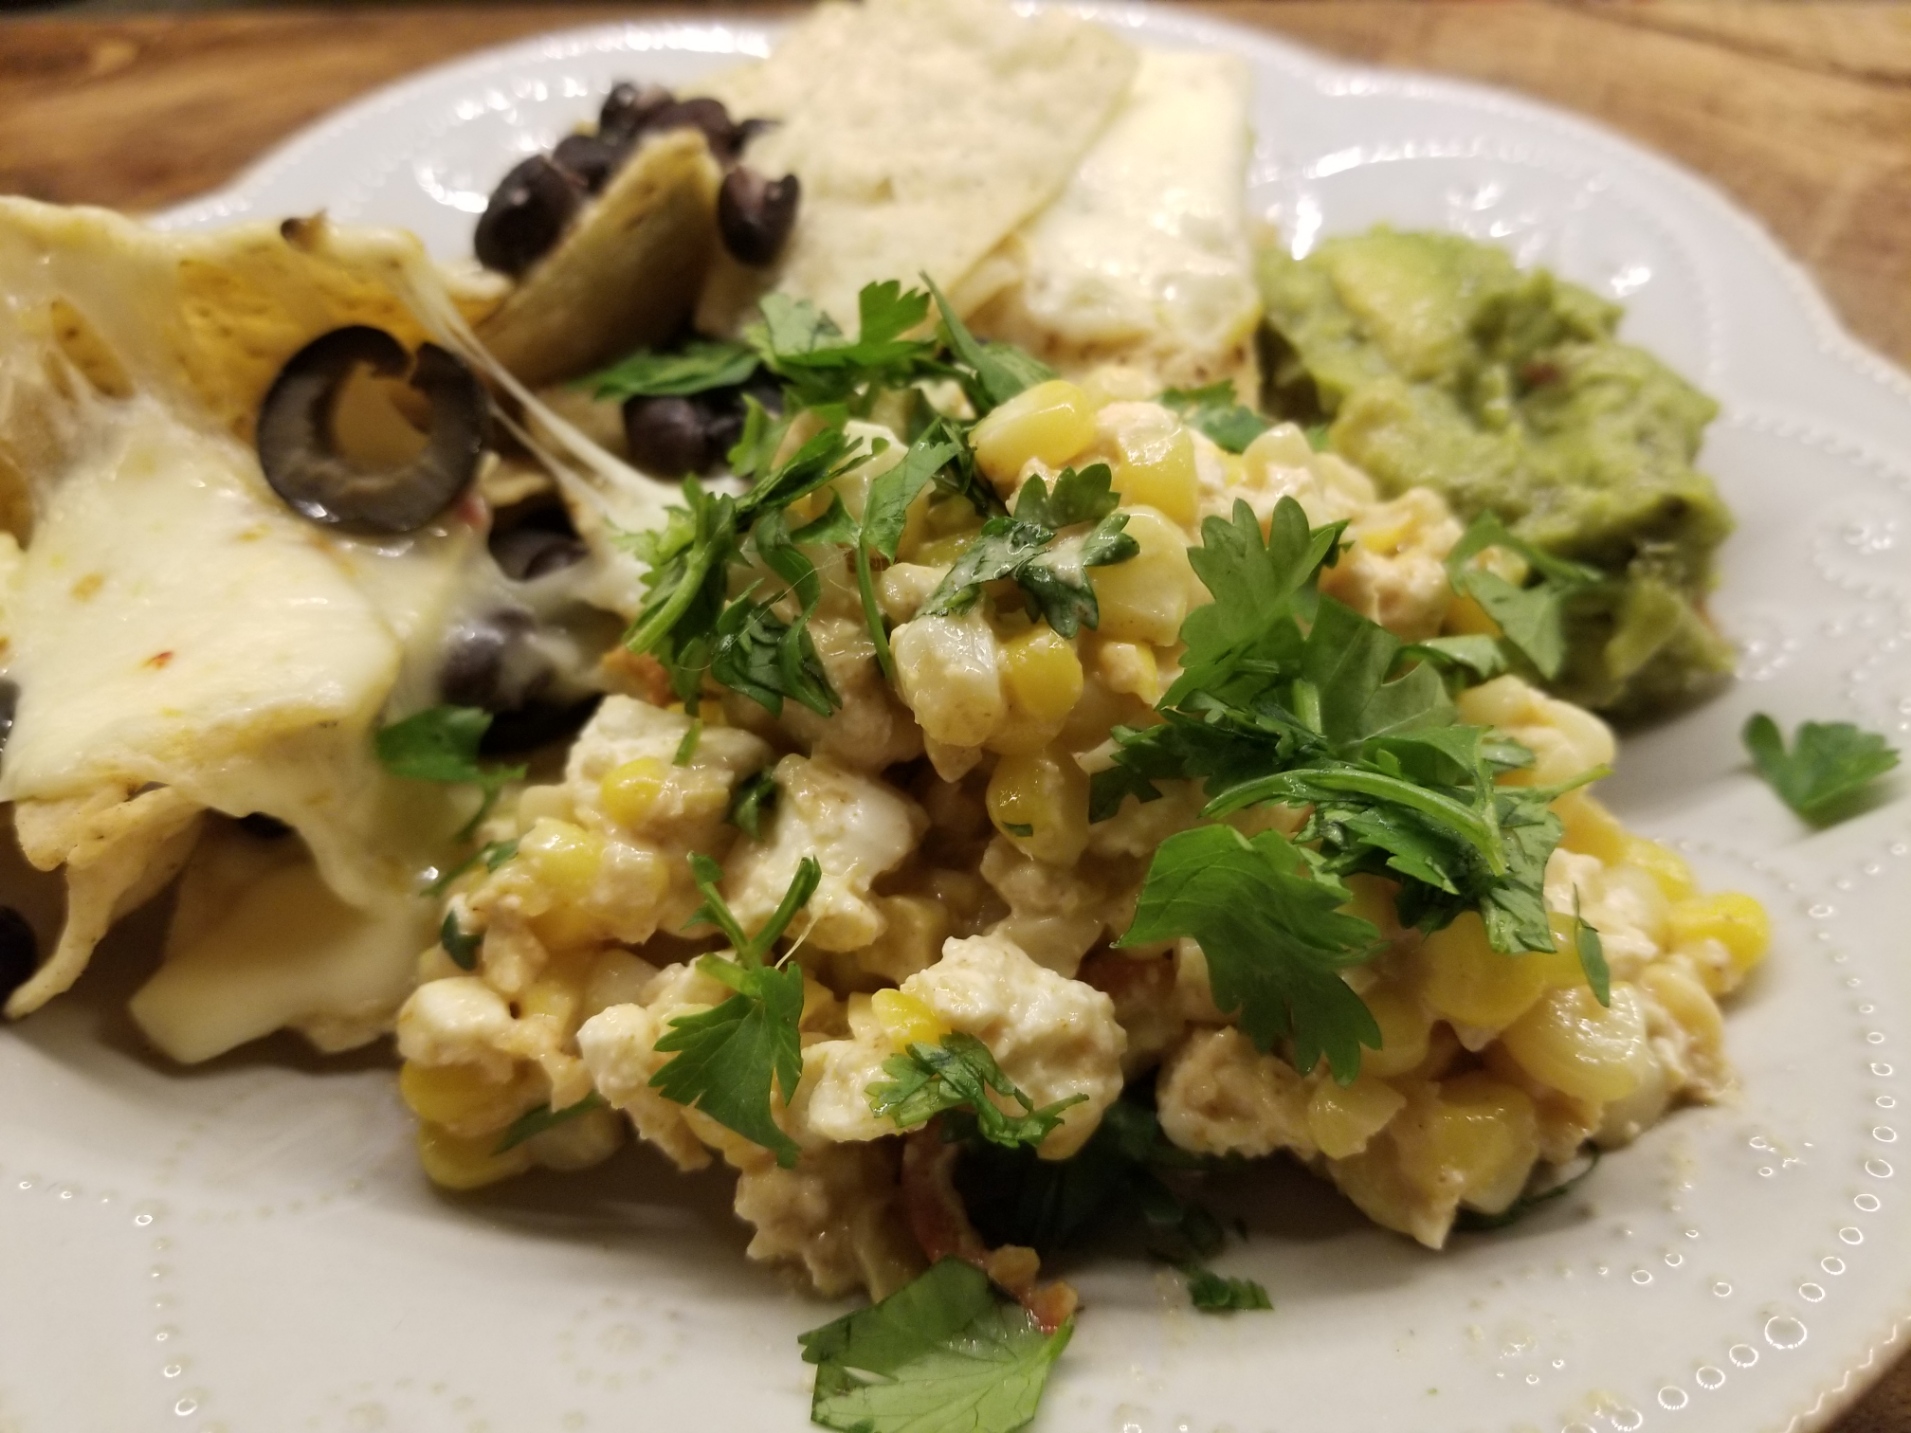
19 951
299 449
9 704
266 828
707 115
589 158
527 213
755 215
671 437
628 109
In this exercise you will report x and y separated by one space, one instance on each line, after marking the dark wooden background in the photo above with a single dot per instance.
1801 111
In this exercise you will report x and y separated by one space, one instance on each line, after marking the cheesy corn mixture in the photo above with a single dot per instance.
964 889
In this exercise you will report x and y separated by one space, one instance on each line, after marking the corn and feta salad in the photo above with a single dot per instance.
1022 772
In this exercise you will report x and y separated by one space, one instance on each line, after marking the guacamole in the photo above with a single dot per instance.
1436 362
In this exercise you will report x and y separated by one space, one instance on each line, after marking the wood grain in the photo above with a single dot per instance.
1802 113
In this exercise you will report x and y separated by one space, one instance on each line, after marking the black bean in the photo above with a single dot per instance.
19 951
750 128
707 115
266 828
590 159
535 725
525 554
628 109
669 437
755 215
526 215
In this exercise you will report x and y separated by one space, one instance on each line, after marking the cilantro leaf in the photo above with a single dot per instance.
1214 1293
1274 937
820 364
1216 412
441 744
532 1123
990 373
886 508
493 854
1532 618
941 1355
958 1073
1084 496
728 1060
459 944
1591 951
699 366
1829 763
755 797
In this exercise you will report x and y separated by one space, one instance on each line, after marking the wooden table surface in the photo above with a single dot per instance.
1801 112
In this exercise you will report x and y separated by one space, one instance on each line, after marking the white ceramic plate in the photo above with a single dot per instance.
250 1247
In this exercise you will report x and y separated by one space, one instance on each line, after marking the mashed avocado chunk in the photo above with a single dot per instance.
1438 363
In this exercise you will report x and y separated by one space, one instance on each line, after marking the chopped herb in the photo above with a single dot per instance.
441 744
820 365
697 367
1532 618
1474 1222
956 1074
990 373
532 1123
687 748
1218 413
493 854
729 1060
1317 437
1592 955
1828 766
1023 548
1024 829
1214 1293
462 947
755 797
943 1354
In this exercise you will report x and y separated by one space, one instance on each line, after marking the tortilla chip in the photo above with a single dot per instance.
624 276
923 132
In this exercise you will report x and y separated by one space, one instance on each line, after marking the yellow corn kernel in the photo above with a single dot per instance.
1686 1001
1154 467
1342 1120
1145 598
1665 865
1571 1043
943 551
551 997
1404 1026
1733 919
1044 674
564 856
906 1020
1052 421
1592 830
1465 617
1129 668
454 1162
457 1094
629 792
1461 977
1484 1136
1040 803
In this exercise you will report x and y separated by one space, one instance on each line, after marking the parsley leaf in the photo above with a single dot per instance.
1532 618
958 1073
990 373
532 1123
459 944
1274 937
1023 547
1829 764
754 798
441 744
697 367
1214 1293
727 1060
943 1354
1216 412
820 364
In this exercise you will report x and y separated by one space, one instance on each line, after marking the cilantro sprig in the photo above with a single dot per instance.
534 1122
1027 548
1218 413
1214 1293
1827 768
1531 616
1287 696
943 1354
727 1060
441 744
957 1074
699 366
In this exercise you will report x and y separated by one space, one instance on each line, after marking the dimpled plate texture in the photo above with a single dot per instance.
250 1247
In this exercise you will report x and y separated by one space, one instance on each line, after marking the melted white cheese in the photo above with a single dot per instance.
1149 240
